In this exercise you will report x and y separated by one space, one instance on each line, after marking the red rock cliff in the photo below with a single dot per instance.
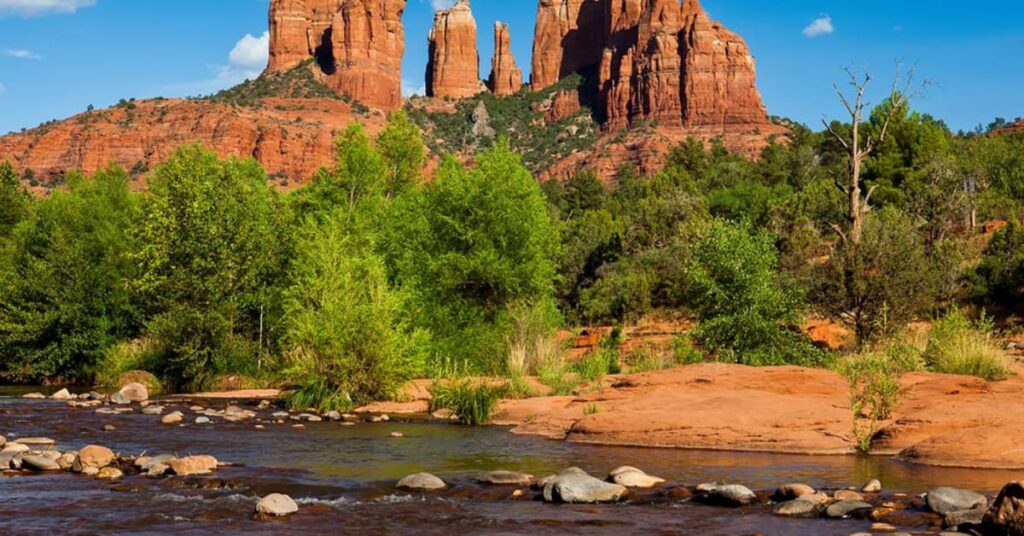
506 78
453 68
358 45
569 36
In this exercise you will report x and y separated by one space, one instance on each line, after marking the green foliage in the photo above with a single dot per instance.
745 312
298 82
123 357
874 377
63 297
344 324
401 147
15 201
474 244
472 403
214 247
999 278
684 350
958 346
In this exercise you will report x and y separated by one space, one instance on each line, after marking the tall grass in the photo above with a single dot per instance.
959 346
874 377
471 403
530 343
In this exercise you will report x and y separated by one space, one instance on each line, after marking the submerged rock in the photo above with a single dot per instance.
506 478
798 508
109 473
873 486
173 418
631 477
574 485
725 494
945 500
39 463
276 504
789 492
964 518
120 399
843 509
34 396
193 465
847 495
421 482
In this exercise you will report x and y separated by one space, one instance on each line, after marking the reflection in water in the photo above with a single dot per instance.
343 477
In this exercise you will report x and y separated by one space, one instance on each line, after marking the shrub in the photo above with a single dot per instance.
561 381
958 346
874 377
530 343
125 357
471 403
648 359
684 350
999 277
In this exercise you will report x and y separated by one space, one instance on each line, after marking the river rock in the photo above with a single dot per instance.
1007 512
334 415
798 508
945 500
7 459
34 396
16 448
93 456
203 420
506 478
145 462
39 463
36 441
847 495
873 486
789 492
135 392
884 528
574 485
152 410
725 494
63 394
119 399
172 418
157 470
421 482
109 473
193 465
843 509
963 518
276 504
67 460
279 414
3 440
631 477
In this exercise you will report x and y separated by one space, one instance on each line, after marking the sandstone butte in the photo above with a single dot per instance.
453 66
941 420
663 69
506 78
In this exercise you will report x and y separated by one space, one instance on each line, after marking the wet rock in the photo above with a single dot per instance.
34 396
203 420
51 454
334 415
7 459
279 415
847 495
120 399
397 435
843 509
798 508
1007 512
66 460
145 462
39 463
631 477
91 471
574 485
963 518
16 448
135 392
725 494
109 428
883 528
193 465
172 418
152 410
789 492
421 482
506 478
109 473
93 456
873 486
945 500
35 441
276 504
107 411
157 470
63 394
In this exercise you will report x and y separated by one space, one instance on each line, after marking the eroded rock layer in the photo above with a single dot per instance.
506 78
453 67
358 45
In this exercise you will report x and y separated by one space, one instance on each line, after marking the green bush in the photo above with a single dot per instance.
471 403
999 277
684 350
958 346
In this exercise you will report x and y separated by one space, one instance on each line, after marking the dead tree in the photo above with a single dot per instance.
859 150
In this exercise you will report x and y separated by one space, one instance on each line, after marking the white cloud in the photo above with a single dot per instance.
411 90
21 54
28 8
3 89
438 5
246 61
819 26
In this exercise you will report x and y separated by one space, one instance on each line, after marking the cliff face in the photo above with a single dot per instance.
358 45
506 78
453 68
658 60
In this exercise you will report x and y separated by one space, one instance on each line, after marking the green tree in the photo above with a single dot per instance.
745 311
64 297
999 278
15 201
401 147
213 252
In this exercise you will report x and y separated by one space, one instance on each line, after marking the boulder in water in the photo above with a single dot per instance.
109 473
798 508
277 505
631 477
39 463
63 394
172 418
789 492
421 482
574 485
725 494
843 509
193 465
873 486
120 399
93 456
945 500
135 392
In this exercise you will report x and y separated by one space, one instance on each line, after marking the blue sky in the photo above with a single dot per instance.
59 56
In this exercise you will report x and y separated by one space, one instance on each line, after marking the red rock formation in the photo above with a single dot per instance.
358 45
506 78
569 37
453 69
